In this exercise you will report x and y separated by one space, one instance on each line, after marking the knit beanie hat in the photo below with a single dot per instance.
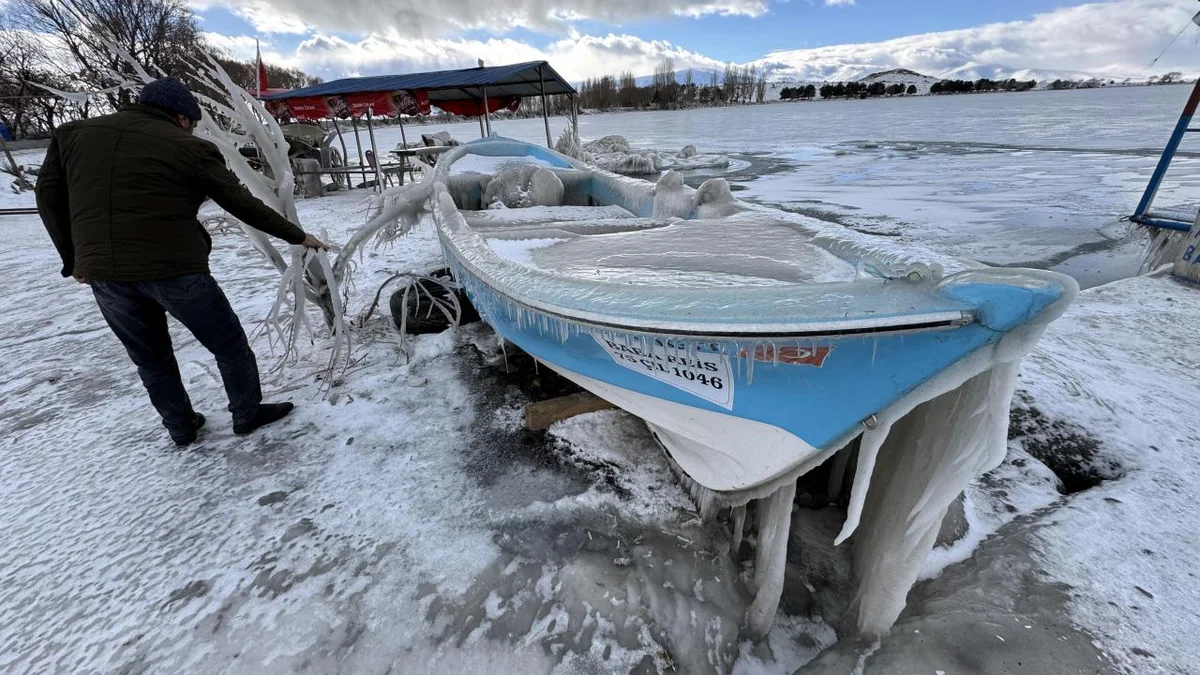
169 95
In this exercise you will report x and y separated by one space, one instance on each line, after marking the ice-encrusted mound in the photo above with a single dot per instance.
608 144
670 199
522 186
613 153
689 158
713 199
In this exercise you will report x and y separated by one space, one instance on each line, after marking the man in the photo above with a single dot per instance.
119 196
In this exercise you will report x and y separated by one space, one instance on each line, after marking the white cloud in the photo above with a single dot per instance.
1113 39
425 20
575 58
241 47
836 3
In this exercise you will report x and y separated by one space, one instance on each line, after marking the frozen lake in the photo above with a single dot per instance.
1037 179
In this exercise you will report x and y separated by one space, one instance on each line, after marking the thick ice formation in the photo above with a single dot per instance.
714 199
613 153
915 457
522 186
670 199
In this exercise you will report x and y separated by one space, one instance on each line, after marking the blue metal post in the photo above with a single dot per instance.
1164 162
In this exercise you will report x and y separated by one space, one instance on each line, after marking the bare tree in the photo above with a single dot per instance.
94 36
760 86
664 73
26 108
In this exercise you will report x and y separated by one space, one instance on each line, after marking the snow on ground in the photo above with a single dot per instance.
409 521
1119 369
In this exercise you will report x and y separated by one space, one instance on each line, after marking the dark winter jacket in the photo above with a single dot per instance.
119 195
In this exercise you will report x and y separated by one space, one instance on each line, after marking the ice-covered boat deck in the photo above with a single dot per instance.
603 244
607 264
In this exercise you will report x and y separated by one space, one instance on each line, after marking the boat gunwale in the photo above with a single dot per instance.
947 319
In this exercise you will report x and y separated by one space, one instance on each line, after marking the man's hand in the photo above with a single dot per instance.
82 280
312 242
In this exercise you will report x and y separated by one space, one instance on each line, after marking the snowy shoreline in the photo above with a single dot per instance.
409 519
395 496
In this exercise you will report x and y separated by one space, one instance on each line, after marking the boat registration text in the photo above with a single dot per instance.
698 373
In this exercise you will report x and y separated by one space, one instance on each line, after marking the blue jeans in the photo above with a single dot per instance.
137 312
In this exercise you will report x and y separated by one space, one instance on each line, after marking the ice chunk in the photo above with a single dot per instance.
714 199
670 199
522 186
688 150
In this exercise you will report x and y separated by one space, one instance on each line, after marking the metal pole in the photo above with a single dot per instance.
375 152
486 116
482 133
404 143
345 154
362 163
575 115
545 111
1164 162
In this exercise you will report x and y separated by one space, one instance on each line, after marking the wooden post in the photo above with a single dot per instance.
362 162
375 152
542 414
545 111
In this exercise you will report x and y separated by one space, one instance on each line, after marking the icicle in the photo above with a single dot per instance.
770 558
739 522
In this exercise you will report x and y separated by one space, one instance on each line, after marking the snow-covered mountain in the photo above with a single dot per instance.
996 71
899 76
700 76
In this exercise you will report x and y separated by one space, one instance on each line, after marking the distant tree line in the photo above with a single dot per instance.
980 85
740 84
805 93
864 90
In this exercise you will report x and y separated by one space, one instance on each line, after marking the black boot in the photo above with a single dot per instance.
266 413
190 437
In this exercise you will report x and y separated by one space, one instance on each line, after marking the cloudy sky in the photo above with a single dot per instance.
804 39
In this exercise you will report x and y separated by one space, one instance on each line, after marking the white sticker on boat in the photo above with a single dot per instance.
699 373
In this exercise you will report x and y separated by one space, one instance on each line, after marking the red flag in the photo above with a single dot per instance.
261 75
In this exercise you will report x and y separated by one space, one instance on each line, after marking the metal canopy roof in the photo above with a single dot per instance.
518 79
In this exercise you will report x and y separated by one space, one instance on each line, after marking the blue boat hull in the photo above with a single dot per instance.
822 390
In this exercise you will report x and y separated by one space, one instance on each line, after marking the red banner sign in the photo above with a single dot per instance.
474 108
380 104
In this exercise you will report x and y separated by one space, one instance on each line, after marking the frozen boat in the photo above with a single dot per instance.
754 343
